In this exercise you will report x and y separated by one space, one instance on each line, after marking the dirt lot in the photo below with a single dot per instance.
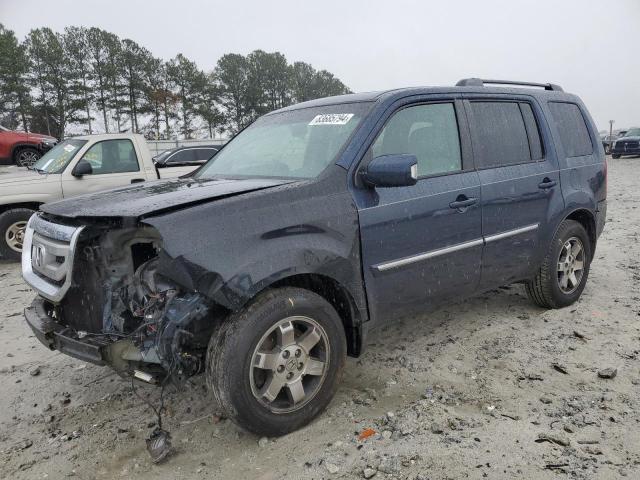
489 388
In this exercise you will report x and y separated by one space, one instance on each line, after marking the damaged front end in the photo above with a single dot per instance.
102 299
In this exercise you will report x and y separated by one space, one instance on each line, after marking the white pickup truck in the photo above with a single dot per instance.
75 166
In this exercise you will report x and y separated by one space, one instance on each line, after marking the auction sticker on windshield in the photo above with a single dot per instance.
331 119
69 148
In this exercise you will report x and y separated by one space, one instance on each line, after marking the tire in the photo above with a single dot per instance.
607 150
553 286
12 224
26 156
615 156
244 339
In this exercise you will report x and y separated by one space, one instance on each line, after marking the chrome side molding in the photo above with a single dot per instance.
511 233
382 267
401 262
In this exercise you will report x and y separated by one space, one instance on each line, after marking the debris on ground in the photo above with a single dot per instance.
556 438
559 367
608 373
159 445
366 433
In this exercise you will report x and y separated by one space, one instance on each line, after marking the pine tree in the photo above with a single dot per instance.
14 68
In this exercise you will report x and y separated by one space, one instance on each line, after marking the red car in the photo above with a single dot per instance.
23 149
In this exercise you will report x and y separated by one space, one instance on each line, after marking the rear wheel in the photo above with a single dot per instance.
615 155
564 271
275 365
27 156
13 224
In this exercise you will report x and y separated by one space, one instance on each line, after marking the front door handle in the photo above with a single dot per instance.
462 202
137 180
547 183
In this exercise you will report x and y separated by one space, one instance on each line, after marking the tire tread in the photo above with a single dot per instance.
540 289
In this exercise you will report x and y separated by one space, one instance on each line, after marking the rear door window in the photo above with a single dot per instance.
572 129
500 136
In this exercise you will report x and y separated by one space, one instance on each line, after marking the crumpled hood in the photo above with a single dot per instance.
143 199
21 175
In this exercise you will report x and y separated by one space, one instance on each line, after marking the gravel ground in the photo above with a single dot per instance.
489 388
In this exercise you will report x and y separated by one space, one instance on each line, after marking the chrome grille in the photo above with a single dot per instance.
627 144
47 256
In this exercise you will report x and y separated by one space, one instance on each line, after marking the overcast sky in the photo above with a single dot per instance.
590 47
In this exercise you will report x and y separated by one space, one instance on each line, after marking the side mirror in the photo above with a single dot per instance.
391 171
82 168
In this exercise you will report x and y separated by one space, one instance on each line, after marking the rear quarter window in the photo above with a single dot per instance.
203 154
572 128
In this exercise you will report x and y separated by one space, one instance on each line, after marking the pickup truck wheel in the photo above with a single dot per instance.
12 227
615 155
25 157
275 365
563 274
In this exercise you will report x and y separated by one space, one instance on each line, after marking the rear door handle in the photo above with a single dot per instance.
462 202
547 183
137 180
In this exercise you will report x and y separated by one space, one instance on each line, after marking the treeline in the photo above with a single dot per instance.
89 80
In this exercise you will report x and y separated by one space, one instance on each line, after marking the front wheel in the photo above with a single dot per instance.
275 365
13 224
564 271
26 157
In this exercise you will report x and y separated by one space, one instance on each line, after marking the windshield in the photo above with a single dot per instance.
57 159
294 144
633 132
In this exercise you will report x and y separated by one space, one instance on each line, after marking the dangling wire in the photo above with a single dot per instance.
163 385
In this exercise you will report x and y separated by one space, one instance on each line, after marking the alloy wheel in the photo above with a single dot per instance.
289 364
570 265
26 158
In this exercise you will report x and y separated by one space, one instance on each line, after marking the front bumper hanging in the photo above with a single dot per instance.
52 335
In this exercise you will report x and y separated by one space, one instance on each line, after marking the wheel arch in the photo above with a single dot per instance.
338 296
19 146
11 206
587 219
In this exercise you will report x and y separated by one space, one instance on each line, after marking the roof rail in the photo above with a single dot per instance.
479 82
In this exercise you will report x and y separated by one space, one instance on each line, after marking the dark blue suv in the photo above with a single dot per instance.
272 262
628 144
